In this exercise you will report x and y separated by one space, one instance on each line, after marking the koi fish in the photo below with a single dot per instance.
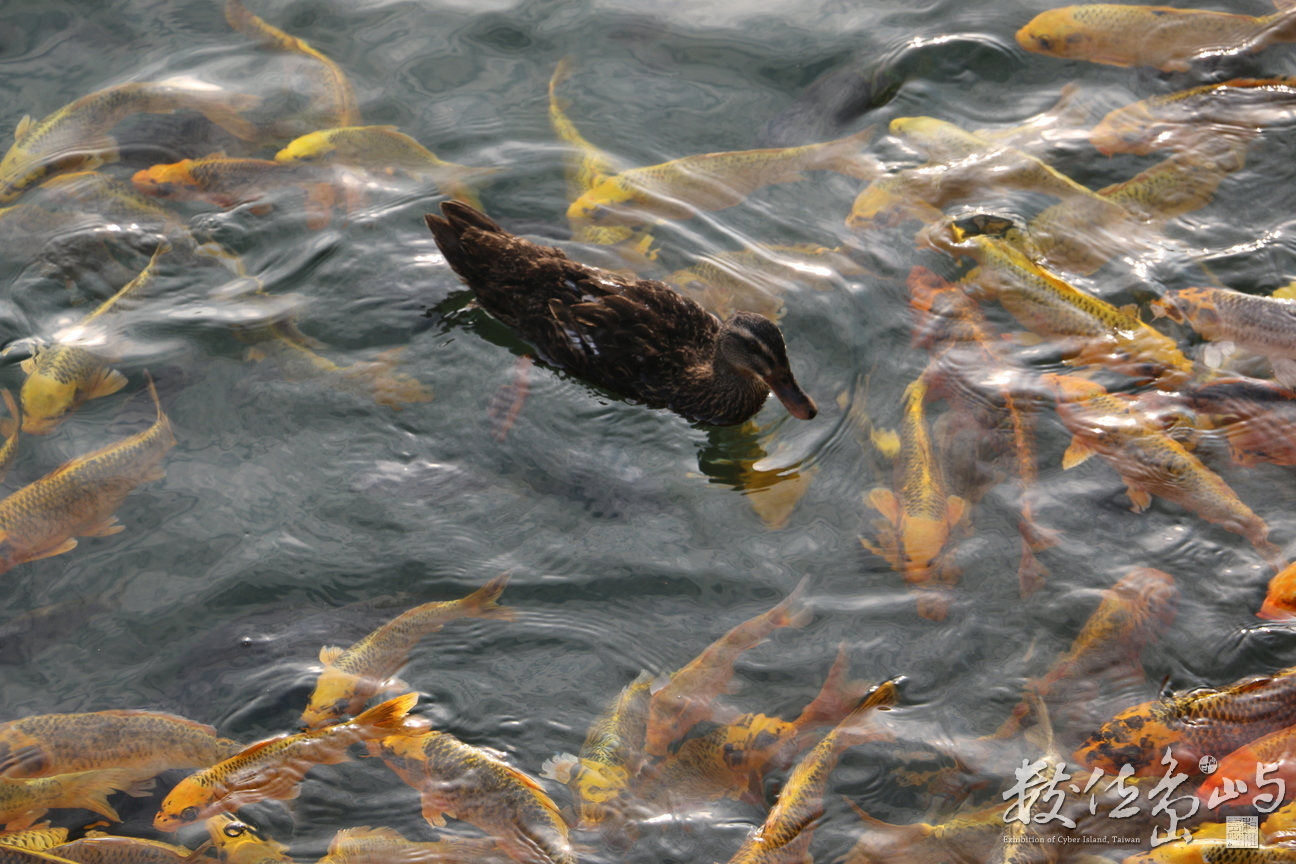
1276 752
1132 613
753 280
1280 599
36 838
713 181
686 699
62 376
227 183
239 843
968 837
1265 325
275 768
1159 36
123 850
144 742
919 514
610 757
17 855
1193 724
1186 119
334 98
478 787
785 836
1149 461
385 148
983 385
76 136
78 498
1256 418
352 676
385 846
1095 331
1206 840
23 801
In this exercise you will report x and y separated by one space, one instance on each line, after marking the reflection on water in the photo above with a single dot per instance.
301 508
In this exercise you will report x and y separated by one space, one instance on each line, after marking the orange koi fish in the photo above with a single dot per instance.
1280 600
144 742
1160 36
1200 722
78 498
1186 119
1149 461
480 788
686 700
1265 325
1275 753
785 836
918 514
276 767
228 183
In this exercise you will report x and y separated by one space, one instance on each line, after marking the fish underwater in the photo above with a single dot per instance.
1193 724
1159 36
63 375
24 800
366 845
687 698
1256 418
1280 597
1266 768
1232 319
1149 461
121 850
38 837
352 676
78 499
679 189
276 767
918 515
239 843
76 136
477 786
226 183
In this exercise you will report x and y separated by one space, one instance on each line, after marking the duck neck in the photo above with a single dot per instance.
725 394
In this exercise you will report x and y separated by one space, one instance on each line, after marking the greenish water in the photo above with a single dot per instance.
294 515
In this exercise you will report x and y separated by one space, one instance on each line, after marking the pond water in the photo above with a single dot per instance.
295 514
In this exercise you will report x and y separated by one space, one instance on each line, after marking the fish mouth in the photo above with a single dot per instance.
794 399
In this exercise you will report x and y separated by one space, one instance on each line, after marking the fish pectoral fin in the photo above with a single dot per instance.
1078 452
884 501
432 813
1142 500
955 509
329 654
28 365
21 130
1285 371
1130 309
157 472
66 546
106 528
108 383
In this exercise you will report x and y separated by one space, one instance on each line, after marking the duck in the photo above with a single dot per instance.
638 338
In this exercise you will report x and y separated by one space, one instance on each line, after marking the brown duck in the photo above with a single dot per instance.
635 337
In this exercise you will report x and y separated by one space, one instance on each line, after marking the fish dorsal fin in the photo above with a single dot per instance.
329 654
21 130
386 128
260 745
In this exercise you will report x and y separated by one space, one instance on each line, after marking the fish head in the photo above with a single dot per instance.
1280 600
607 203
1134 737
173 181
1196 306
18 172
1057 33
173 816
46 402
1132 129
879 205
750 743
595 785
921 543
335 695
240 843
307 149
1150 593
753 345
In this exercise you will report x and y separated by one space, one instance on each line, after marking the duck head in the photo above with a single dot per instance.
754 346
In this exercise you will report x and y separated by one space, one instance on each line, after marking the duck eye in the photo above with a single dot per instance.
189 814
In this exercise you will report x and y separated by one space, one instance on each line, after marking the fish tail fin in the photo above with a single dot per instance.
845 157
9 428
1279 27
1273 610
560 74
388 718
793 612
224 109
483 602
857 727
90 789
561 767
836 698
460 182
162 418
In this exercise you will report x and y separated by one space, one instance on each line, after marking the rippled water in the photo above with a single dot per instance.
295 516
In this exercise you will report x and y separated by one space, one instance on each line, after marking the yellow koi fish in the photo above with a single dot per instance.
228 182
385 846
1149 461
121 850
352 676
680 188
23 801
36 838
239 843
384 148
785 836
610 757
918 515
478 787
1265 325
78 498
1160 36
276 767
1094 331
335 100
62 376
1185 120
76 136
687 699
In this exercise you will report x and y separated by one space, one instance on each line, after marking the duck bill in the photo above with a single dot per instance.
794 399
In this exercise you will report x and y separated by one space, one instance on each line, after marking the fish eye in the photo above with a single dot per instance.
234 829
1044 42
189 814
